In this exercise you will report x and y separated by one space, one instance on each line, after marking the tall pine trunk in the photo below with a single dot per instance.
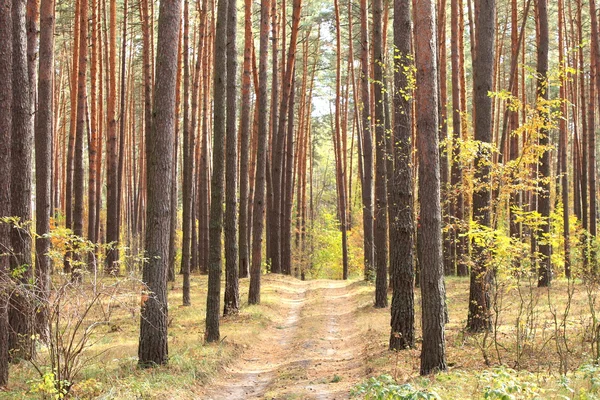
381 234
20 311
5 178
261 158
232 292
402 334
483 63
367 146
217 189
545 248
153 347
433 352
245 134
43 161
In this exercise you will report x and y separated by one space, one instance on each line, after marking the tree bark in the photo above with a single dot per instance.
402 334
245 133
80 133
367 146
20 310
153 347
5 178
545 248
479 318
433 353
232 292
112 148
215 262
43 161
563 145
188 162
261 159
381 235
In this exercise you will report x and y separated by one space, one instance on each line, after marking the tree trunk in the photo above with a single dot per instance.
245 133
20 311
594 80
367 146
261 158
479 318
276 160
43 161
456 178
232 292
173 224
5 178
215 262
402 334
563 146
112 157
188 161
122 122
153 348
95 146
545 248
80 132
32 20
381 235
72 134
433 353
449 249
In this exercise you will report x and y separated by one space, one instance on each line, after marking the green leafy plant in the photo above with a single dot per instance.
385 388
505 384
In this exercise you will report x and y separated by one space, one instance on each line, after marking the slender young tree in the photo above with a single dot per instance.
367 145
261 158
338 147
153 347
5 178
400 187
457 208
429 249
217 189
594 104
285 140
112 149
545 248
188 161
80 130
483 67
70 165
276 160
43 160
381 234
245 133
94 145
563 145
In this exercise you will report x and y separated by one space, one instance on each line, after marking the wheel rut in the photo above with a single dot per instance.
314 354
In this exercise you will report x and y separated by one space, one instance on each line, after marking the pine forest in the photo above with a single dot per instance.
299 199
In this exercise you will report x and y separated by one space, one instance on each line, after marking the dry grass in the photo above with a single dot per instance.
114 373
193 365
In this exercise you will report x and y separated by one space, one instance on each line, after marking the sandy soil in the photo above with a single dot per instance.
314 354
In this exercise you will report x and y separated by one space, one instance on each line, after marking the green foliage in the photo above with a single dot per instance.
505 384
385 388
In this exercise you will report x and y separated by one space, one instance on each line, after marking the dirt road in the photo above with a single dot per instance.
313 354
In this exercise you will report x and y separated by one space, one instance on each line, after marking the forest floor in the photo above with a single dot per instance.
319 339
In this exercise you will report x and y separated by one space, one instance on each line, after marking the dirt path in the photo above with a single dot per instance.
312 355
